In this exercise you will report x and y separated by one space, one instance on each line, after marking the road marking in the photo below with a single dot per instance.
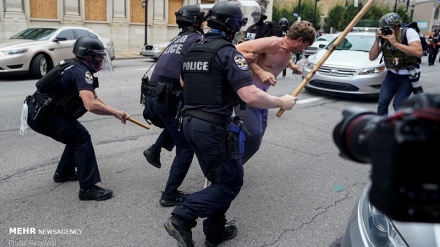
305 101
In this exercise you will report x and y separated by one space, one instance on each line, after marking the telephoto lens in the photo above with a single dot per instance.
351 134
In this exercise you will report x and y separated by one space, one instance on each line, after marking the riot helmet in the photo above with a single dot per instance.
390 20
284 23
227 17
88 46
92 52
188 15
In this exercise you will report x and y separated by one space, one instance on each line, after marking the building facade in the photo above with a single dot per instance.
123 21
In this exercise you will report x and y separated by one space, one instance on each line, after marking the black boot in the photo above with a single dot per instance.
229 233
153 156
94 193
180 231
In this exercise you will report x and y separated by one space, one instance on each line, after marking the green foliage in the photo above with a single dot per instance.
339 16
307 12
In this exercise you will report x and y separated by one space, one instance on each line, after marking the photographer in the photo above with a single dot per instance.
400 53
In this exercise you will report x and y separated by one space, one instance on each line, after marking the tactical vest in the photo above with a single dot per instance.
204 84
391 54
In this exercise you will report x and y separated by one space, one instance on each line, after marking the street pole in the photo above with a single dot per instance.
299 10
145 5
314 14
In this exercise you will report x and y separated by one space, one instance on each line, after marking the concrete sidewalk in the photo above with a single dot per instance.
129 54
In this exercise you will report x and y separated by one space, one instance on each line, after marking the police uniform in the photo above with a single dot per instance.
212 75
64 127
164 109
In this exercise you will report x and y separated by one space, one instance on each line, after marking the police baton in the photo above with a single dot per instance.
129 119
329 51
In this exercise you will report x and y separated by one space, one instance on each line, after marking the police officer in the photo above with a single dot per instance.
259 16
216 76
162 103
74 95
400 60
284 23
433 46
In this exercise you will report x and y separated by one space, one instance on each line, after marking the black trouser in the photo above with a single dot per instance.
79 151
184 154
432 54
226 176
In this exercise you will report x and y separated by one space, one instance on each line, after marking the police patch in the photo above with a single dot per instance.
89 78
241 62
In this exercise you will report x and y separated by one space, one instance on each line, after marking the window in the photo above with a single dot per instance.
68 34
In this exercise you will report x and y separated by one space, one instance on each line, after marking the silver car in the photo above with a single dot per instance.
35 51
368 227
154 51
348 70
319 43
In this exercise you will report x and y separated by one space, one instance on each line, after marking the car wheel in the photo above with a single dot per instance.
39 66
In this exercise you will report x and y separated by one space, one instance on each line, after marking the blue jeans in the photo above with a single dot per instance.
394 86
255 124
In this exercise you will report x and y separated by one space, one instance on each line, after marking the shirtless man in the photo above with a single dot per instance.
267 58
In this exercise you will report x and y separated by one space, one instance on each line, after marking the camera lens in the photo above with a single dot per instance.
351 134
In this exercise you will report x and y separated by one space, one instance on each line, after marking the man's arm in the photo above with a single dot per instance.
375 48
259 99
414 47
97 106
251 50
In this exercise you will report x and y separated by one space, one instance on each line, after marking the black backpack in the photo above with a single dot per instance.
270 28
48 84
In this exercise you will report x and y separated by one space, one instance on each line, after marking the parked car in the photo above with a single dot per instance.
319 43
348 70
35 50
368 227
154 51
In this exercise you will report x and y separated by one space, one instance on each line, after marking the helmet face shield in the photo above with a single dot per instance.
101 62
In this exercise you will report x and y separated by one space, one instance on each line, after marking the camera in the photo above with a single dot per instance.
402 148
386 30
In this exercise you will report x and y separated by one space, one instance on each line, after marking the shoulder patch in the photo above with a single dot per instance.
89 78
241 62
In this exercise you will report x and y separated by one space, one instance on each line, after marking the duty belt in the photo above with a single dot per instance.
209 117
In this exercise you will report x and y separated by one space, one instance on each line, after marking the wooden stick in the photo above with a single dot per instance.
129 119
138 123
329 51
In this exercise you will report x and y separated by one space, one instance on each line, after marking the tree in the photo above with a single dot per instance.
307 12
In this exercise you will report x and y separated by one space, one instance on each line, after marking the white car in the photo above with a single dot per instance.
36 50
348 71
154 51
319 43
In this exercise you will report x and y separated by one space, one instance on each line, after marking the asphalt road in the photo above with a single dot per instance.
297 191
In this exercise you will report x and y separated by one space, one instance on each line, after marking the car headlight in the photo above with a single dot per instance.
15 51
375 70
376 228
309 64
109 44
